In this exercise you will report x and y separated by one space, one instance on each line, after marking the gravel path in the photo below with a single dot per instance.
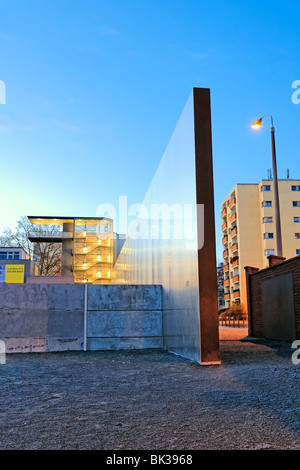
226 333
151 400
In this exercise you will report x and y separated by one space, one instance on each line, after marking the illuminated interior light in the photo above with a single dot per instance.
84 249
99 258
84 266
98 274
109 273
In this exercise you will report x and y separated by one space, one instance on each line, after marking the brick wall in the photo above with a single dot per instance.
254 292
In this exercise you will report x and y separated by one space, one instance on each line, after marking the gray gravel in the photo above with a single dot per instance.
151 400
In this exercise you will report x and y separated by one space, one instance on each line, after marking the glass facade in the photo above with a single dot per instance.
164 241
87 245
93 251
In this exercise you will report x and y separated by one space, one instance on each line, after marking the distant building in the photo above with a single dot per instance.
15 261
88 246
13 253
249 231
220 281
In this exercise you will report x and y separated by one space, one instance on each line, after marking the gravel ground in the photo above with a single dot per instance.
151 400
226 333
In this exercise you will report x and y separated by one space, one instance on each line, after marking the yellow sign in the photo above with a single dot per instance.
15 273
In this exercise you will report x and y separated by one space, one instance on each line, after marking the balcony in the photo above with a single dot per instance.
47 238
224 226
224 212
234 248
226 268
227 296
232 203
236 279
236 294
233 232
225 254
225 240
234 261
226 282
233 218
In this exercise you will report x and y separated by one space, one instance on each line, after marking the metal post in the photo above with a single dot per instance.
85 317
257 124
276 195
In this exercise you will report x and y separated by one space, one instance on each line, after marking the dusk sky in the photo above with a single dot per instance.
94 90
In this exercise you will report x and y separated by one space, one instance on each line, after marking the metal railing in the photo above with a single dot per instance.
233 321
51 235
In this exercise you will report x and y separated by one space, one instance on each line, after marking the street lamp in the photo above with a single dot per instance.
256 125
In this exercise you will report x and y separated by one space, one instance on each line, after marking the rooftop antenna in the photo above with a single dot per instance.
288 173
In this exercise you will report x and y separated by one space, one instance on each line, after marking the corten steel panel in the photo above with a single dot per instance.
178 251
209 322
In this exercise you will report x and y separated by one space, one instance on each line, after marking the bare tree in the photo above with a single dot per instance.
46 255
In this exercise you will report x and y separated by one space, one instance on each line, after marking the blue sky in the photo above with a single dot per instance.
94 90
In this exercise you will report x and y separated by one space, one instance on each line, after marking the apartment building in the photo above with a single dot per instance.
249 231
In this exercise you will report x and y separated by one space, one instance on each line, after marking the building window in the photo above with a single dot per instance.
266 188
267 220
267 204
269 235
295 188
9 255
297 235
297 219
297 252
269 252
296 203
